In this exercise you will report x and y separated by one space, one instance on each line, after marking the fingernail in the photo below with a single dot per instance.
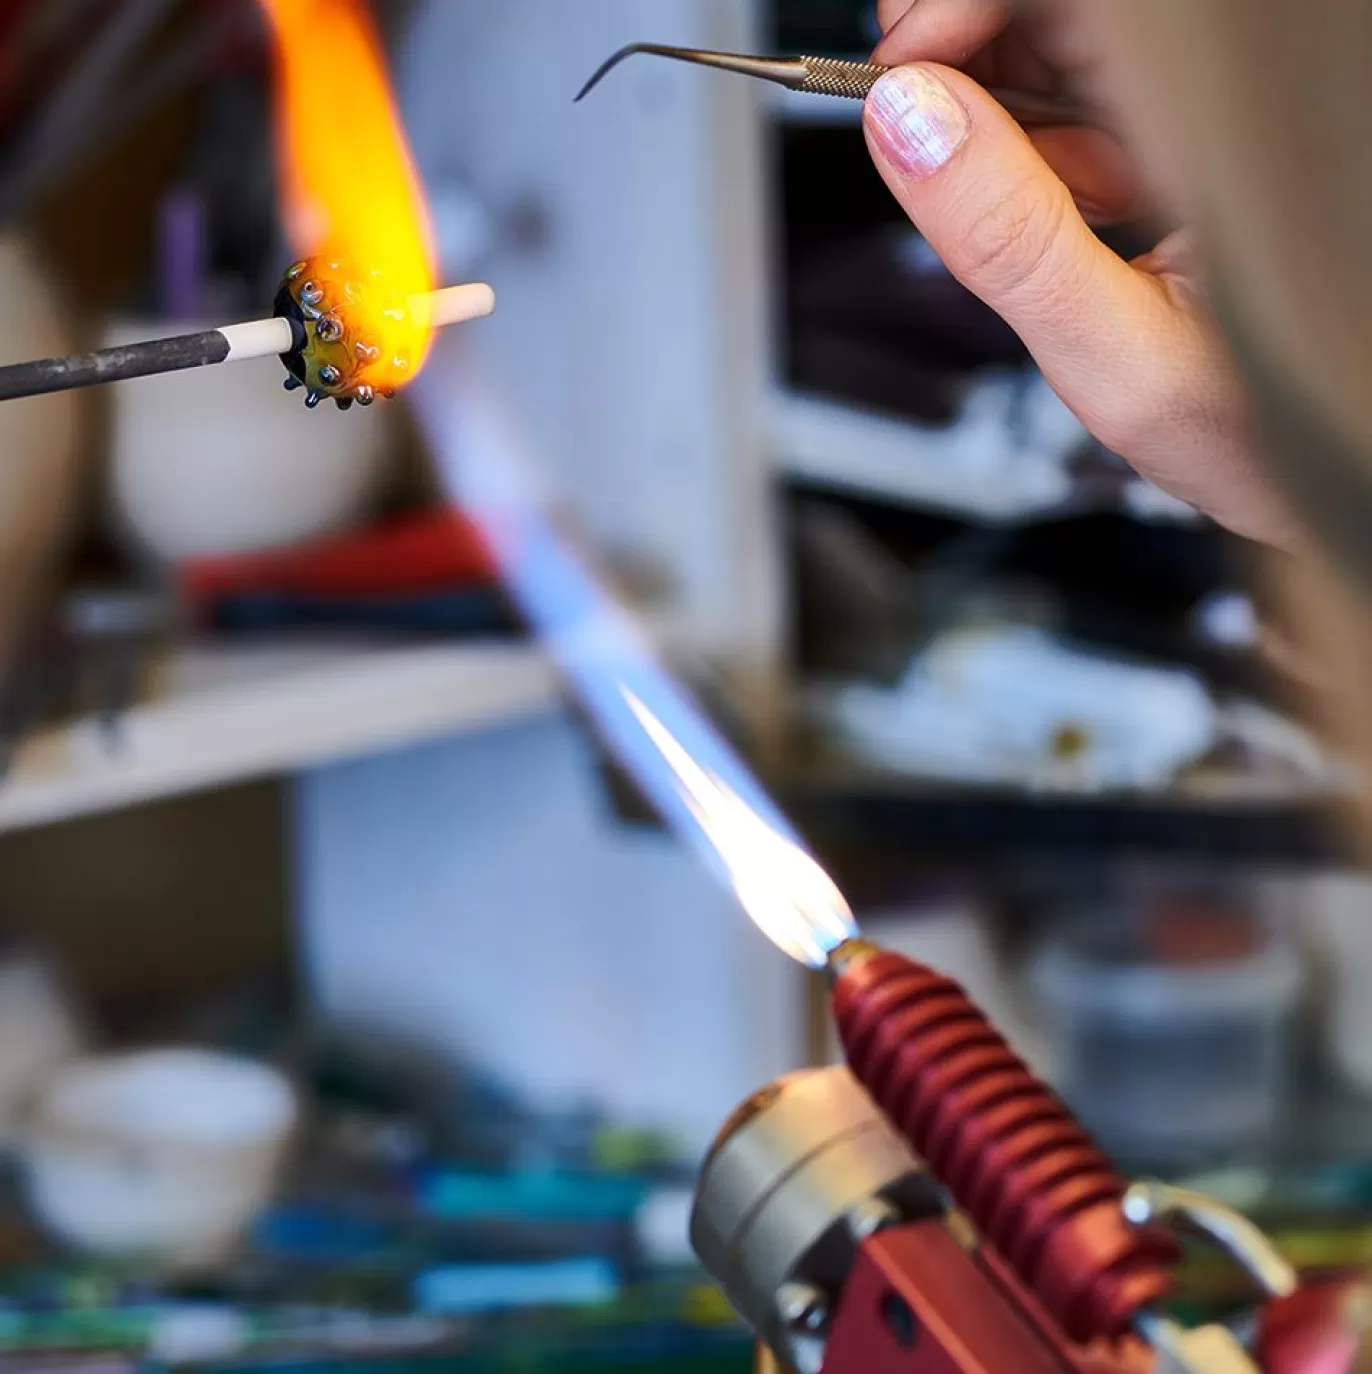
917 120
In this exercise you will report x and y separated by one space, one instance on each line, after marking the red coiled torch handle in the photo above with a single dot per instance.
1000 1141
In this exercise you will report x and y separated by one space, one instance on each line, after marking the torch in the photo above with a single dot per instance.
934 1207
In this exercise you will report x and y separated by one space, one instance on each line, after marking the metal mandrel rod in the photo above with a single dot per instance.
260 339
845 80
278 336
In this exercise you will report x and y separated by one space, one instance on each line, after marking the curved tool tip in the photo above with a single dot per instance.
654 50
608 66
788 71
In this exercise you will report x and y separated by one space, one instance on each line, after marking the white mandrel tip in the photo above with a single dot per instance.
459 304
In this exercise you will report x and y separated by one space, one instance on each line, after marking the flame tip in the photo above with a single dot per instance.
783 888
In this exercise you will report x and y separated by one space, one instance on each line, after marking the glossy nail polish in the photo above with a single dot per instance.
916 120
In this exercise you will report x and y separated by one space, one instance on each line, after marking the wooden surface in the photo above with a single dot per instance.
213 717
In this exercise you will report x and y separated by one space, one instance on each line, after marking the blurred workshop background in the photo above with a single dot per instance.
290 790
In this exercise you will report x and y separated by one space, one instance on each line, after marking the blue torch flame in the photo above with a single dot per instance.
656 732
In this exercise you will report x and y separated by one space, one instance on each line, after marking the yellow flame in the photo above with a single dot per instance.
789 897
349 183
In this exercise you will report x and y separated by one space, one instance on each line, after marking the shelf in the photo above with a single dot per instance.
214 717
874 830
836 447
880 822
830 445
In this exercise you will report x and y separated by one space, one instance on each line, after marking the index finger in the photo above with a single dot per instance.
947 31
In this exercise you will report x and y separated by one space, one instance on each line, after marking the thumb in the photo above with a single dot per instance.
1007 228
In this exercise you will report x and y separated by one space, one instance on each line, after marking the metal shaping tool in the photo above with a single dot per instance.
845 80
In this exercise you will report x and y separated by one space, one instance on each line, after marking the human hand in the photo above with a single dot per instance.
1129 347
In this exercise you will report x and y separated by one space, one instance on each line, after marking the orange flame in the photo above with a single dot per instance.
350 188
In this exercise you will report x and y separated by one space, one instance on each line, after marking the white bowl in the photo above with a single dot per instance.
165 1155
222 460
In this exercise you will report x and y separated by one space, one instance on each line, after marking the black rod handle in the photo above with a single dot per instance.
119 364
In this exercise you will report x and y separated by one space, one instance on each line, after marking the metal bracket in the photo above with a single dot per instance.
1147 1204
